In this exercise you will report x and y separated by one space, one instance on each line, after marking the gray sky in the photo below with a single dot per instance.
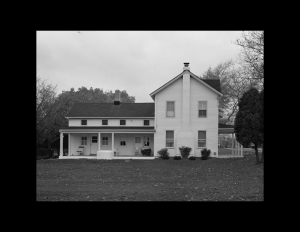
136 61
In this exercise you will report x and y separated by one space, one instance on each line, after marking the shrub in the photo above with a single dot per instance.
146 151
205 153
185 151
164 154
46 157
177 157
192 157
39 157
45 152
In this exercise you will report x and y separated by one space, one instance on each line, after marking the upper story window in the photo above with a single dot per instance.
83 122
201 138
122 122
146 123
170 109
169 138
104 122
202 109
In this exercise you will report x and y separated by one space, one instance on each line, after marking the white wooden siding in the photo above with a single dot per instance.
111 122
198 92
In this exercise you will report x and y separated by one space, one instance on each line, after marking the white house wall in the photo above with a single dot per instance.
111 122
75 142
171 93
198 92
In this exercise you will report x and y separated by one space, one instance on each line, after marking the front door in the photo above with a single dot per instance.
94 144
125 148
137 145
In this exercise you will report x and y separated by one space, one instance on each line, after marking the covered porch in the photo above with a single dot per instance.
106 143
236 149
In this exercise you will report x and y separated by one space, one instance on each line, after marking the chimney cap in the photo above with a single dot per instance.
186 64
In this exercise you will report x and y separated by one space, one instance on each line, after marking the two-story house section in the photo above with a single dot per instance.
184 113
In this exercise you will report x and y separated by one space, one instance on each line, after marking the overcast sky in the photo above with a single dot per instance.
136 61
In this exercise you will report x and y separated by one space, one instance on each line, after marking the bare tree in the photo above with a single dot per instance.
252 55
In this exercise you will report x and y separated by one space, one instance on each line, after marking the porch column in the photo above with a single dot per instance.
99 141
232 141
113 143
235 148
69 145
238 151
61 144
241 150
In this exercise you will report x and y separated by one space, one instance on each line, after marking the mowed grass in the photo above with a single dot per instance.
234 179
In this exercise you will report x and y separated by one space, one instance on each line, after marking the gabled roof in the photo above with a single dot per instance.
213 84
110 110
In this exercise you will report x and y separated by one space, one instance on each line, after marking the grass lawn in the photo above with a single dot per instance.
234 179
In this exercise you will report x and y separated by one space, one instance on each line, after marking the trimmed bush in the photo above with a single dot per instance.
164 154
185 151
191 157
205 153
46 157
146 152
177 157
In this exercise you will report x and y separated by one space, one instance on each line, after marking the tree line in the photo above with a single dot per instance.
51 108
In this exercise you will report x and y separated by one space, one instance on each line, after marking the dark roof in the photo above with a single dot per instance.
215 83
111 110
221 125
108 127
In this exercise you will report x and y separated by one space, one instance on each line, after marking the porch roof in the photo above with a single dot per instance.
225 129
96 129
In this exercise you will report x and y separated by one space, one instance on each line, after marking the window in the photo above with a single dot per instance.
201 138
123 141
104 140
146 122
170 109
83 122
104 122
83 140
202 108
137 140
169 138
94 139
122 122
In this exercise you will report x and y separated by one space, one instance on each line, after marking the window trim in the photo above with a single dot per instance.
148 122
167 110
202 139
124 140
124 121
206 109
106 122
134 141
92 138
82 121
104 140
170 139
83 140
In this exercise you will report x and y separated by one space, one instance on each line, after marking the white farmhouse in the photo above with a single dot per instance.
184 113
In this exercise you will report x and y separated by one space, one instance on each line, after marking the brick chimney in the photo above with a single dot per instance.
117 100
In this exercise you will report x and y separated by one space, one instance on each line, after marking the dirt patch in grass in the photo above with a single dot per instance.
235 179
